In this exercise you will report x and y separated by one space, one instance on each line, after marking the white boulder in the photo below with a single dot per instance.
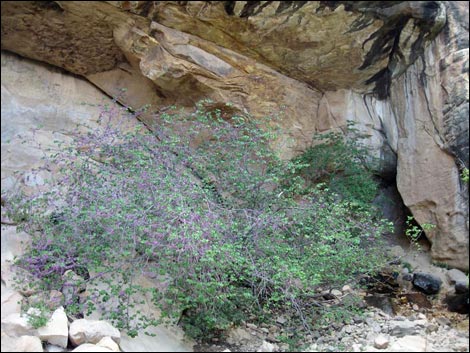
92 331
56 331
108 342
88 347
20 344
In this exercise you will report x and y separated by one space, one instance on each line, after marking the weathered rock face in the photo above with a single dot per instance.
373 118
40 105
11 301
329 44
453 67
430 104
399 69
164 66
159 65
13 244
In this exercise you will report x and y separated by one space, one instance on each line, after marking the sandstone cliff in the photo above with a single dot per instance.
399 69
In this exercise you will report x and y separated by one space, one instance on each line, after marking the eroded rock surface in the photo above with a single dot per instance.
329 44
92 331
430 157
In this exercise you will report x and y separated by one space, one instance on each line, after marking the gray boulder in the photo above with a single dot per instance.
427 283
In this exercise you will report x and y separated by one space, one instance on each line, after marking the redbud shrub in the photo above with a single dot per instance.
201 206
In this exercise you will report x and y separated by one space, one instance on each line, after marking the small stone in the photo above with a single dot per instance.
336 326
443 321
376 328
108 342
432 328
33 312
271 338
88 347
346 288
358 319
409 344
268 347
420 323
273 329
403 328
336 293
381 342
357 347
238 335
265 330
453 276
281 320
415 307
312 348
421 316
384 315
252 326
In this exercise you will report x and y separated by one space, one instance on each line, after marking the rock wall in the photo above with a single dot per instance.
41 107
398 69
430 103
258 56
421 135
329 44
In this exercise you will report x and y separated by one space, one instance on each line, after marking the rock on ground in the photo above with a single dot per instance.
56 331
17 325
88 347
11 302
409 344
108 342
92 331
427 283
20 344
381 342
